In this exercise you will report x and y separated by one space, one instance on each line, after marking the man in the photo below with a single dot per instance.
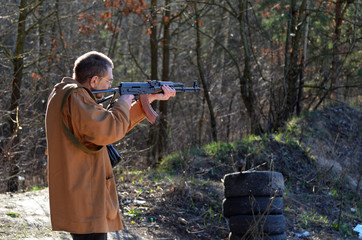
82 191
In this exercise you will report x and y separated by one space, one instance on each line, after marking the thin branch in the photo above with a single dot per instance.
39 22
33 8
7 53
136 62
333 88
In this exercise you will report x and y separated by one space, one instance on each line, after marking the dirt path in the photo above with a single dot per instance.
26 216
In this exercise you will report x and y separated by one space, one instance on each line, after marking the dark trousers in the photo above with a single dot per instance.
90 236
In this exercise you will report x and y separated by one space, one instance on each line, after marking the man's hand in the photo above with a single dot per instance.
167 93
127 99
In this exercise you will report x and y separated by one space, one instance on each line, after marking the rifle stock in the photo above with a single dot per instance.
150 113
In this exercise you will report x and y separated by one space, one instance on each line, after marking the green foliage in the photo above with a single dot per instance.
172 163
220 150
36 188
197 151
134 212
251 138
13 215
313 218
274 18
209 213
344 228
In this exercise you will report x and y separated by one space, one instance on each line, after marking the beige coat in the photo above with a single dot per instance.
82 188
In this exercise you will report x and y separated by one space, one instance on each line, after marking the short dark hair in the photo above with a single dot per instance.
91 64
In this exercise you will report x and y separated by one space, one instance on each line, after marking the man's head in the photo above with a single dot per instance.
91 64
94 71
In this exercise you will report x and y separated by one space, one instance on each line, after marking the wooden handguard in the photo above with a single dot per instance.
150 113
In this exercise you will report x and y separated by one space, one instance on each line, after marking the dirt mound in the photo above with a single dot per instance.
334 136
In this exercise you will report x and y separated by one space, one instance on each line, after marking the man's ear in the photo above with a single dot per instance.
93 81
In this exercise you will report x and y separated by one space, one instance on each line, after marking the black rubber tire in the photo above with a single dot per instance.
251 206
257 183
271 224
266 237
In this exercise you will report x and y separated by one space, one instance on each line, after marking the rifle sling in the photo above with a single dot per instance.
66 130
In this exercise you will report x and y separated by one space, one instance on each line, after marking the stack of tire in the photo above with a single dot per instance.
253 205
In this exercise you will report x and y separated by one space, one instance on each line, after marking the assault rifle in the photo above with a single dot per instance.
138 89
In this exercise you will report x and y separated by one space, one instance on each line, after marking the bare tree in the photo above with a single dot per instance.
26 8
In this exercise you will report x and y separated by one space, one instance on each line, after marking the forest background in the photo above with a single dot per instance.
258 63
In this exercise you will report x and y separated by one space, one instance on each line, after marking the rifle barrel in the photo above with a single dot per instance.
106 90
187 89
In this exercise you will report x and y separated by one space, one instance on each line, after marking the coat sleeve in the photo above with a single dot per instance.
93 124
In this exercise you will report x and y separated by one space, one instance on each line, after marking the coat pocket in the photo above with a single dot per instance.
111 199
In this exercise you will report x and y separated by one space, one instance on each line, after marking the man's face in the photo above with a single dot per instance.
101 83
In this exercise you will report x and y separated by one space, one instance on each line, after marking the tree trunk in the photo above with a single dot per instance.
337 64
153 132
304 62
246 81
18 63
201 122
202 77
162 140
292 68
228 122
